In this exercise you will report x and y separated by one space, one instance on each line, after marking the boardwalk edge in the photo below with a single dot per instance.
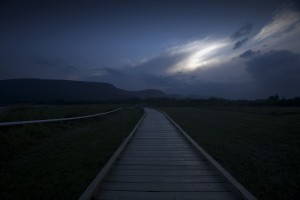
238 189
95 184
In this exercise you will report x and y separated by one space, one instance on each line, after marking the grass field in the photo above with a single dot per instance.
33 112
259 146
58 160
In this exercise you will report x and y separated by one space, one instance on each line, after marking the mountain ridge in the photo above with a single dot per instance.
49 90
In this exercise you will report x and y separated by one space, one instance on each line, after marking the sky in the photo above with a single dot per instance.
230 49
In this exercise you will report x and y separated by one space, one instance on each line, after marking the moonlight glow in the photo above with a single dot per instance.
202 54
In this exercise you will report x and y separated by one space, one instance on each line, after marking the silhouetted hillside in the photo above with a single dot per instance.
38 90
150 93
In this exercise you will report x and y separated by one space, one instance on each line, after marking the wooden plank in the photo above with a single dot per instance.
132 153
164 172
156 153
127 158
159 149
165 152
158 162
132 195
158 131
136 142
162 167
165 179
137 145
157 127
153 146
165 187
167 144
160 138
158 141
179 148
159 155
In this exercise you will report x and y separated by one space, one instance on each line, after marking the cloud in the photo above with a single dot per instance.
122 78
68 69
42 61
187 84
185 57
240 43
276 72
36 67
249 53
100 71
204 53
242 31
258 76
159 64
282 21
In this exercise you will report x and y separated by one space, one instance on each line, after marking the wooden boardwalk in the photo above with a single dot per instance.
160 163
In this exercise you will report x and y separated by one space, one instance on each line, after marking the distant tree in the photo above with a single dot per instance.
274 98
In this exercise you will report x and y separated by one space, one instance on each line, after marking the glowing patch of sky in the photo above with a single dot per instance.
202 53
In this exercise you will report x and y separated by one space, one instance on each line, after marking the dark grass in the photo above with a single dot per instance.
260 147
58 160
34 112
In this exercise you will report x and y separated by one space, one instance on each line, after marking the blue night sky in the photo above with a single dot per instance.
232 49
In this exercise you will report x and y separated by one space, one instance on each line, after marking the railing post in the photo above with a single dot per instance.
123 122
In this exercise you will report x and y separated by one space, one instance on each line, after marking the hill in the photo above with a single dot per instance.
40 90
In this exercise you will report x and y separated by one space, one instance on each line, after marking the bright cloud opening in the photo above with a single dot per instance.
201 53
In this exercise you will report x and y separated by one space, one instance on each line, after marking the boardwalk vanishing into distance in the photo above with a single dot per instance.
159 162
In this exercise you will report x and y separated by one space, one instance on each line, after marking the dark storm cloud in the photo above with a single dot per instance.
242 31
70 69
54 64
297 4
277 72
36 67
42 61
249 53
188 84
240 43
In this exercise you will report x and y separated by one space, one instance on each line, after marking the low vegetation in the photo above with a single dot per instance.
259 146
34 112
58 160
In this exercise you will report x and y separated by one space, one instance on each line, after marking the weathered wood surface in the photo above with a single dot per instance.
159 163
